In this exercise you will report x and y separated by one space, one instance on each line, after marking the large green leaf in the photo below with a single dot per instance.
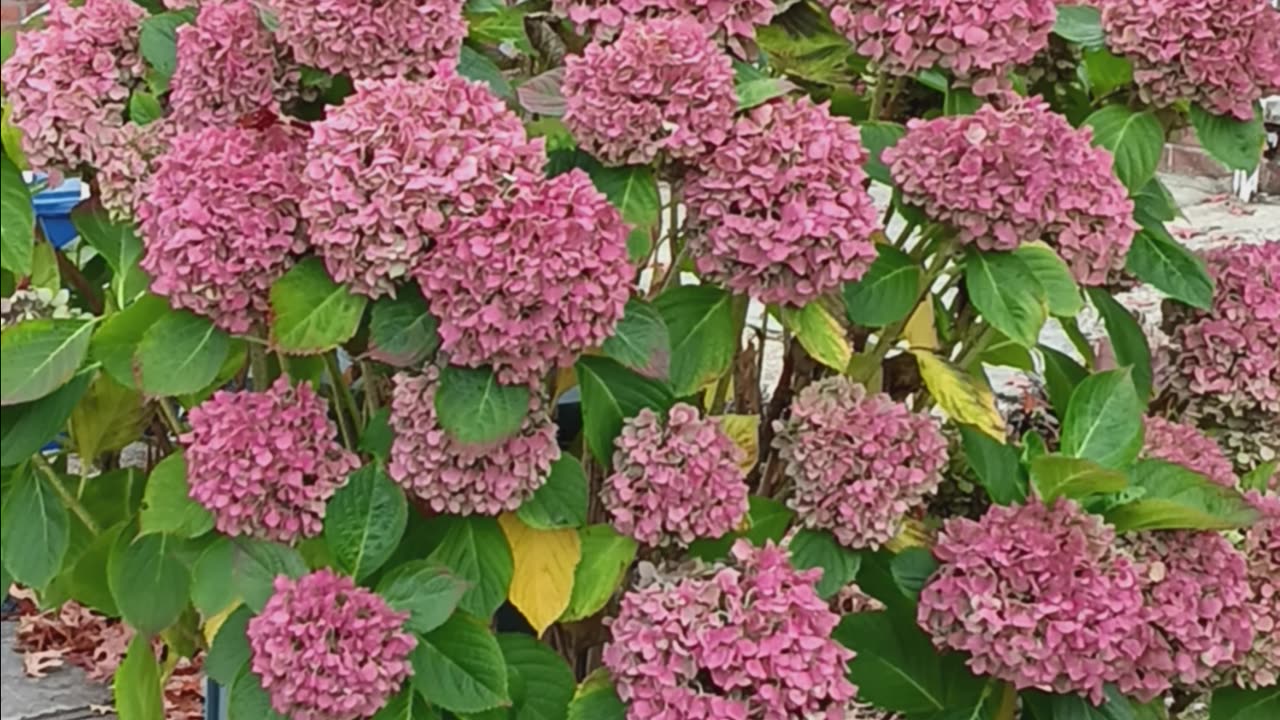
167 506
34 529
606 555
1055 476
474 408
767 520
887 293
1135 140
402 332
180 353
38 356
230 650
544 683
149 582
820 549
248 700
1127 340
1104 420
819 333
754 88
562 500
428 591
1107 71
996 465
1070 706
703 336
136 685
1236 143
159 43
1156 258
233 569
118 243
632 189
596 699
1233 703
459 667
641 341
475 549
476 67
26 428
116 341
364 521
310 312
1176 498
407 705
17 220
1061 376
876 138
610 394
1062 294
1007 294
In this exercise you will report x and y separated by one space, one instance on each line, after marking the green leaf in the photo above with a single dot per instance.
1155 201
1061 376
167 506
820 549
402 333
1156 258
887 293
26 428
498 27
34 528
159 41
1260 477
136 685
1080 24
1176 498
407 705
996 465
116 341
428 591
39 356
144 108
610 394
17 220
119 245
474 408
596 699
815 53
1233 703
1061 290
248 700
364 521
755 88
1135 140
233 569
561 502
547 681
1107 72
960 101
606 555
88 583
703 335
1235 143
377 436
911 570
459 667
476 67
181 353
1055 476
229 653
1127 340
149 582
876 138
641 341
475 549
820 334
1104 420
767 519
1005 291
310 312
633 189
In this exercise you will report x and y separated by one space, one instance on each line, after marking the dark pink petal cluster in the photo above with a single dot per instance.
69 82
1038 597
1003 177
536 279
389 167
978 41
126 161
858 463
265 463
675 481
1261 666
751 641
732 22
461 479
1185 445
1220 54
219 220
661 88
779 210
367 39
328 650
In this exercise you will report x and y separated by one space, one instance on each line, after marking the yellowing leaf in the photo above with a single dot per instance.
921 331
744 430
820 334
566 380
961 396
214 624
543 564
912 535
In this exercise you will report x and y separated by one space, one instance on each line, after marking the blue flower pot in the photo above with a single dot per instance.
53 211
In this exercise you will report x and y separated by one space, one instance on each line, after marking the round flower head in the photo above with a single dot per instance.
1003 177
859 463
371 38
125 163
1038 597
661 88
675 481
732 22
779 211
747 641
265 463
220 220
461 479
69 82
328 650
1220 54
1261 665
528 285
1186 446
976 40
390 166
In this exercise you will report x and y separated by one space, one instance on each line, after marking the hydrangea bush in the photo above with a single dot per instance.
628 360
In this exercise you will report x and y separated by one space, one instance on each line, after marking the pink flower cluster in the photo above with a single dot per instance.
731 21
220 220
526 286
859 463
779 210
69 82
1186 446
328 650
126 161
465 479
976 40
748 641
266 463
1220 54
677 481
395 161
1261 666
367 39
661 88
1038 597
1003 177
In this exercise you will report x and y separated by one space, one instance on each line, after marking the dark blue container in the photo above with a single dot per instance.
53 211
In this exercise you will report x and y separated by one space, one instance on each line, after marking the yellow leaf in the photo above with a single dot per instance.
744 430
921 331
912 535
820 334
962 397
214 624
542 578
566 380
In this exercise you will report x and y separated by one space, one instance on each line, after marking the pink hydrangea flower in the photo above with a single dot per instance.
328 650
366 39
747 641
69 82
1003 177
1261 665
266 463
859 463
219 220
675 481
1186 446
395 161
732 22
661 88
976 40
460 479
127 161
1220 54
528 285
779 210
1038 597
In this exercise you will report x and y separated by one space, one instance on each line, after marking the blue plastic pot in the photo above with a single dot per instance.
53 211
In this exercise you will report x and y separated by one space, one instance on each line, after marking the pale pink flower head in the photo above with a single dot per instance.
125 162
1004 177
371 39
266 463
1261 665
395 162
532 282
1220 54
219 220
1037 596
859 463
747 641
69 82
460 479
328 650
1185 445
779 211
661 88
677 480
731 22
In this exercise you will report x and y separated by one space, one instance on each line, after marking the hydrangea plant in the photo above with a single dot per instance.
629 359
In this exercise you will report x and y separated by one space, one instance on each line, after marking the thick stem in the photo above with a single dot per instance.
259 373
79 282
345 404
740 304
71 501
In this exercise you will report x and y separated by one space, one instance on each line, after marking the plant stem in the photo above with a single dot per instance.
68 499
259 373
740 304
346 404
878 96
170 420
